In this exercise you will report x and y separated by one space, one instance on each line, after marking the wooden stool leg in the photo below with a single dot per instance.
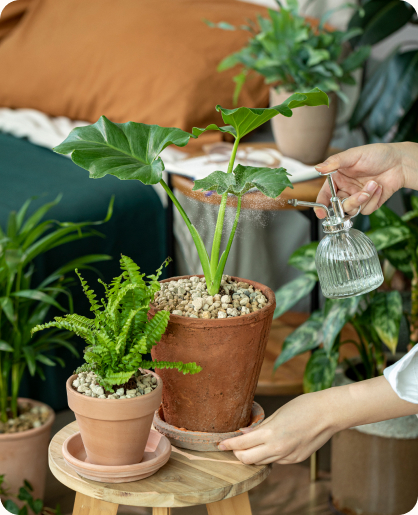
239 505
161 511
85 505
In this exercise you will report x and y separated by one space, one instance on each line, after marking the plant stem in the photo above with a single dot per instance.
15 389
3 394
217 238
414 308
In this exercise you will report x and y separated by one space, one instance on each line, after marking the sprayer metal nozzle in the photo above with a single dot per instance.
292 201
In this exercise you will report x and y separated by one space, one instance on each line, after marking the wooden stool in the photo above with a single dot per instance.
216 479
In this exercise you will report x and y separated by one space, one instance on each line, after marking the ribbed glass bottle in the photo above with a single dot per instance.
347 264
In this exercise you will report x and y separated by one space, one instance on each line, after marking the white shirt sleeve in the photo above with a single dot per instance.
403 376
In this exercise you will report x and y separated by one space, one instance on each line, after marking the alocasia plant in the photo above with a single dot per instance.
132 151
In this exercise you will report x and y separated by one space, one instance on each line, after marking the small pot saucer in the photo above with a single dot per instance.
157 453
199 440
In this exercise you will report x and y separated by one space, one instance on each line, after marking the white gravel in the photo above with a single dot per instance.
190 298
86 383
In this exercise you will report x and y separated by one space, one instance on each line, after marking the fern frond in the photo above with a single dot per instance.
185 368
62 323
89 293
121 340
131 271
156 327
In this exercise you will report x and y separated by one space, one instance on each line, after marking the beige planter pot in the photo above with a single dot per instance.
307 134
114 431
25 455
375 467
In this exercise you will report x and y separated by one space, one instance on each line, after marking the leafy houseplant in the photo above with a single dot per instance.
120 333
294 55
131 151
387 109
117 338
376 316
25 495
22 305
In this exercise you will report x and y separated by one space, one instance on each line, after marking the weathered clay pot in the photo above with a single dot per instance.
230 351
114 431
307 134
374 467
25 455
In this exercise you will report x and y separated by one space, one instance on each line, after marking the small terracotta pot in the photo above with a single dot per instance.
114 431
307 134
230 351
25 455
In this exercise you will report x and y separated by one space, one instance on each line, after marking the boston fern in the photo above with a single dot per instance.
120 333
131 151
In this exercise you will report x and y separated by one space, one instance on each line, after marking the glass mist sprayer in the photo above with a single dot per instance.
346 259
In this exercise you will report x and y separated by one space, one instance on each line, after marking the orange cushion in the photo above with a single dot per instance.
151 61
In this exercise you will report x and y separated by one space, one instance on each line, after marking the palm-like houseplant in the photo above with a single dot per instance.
23 305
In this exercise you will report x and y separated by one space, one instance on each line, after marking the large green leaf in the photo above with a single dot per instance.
380 20
126 150
386 310
243 120
37 295
356 59
306 337
291 293
398 96
384 217
320 371
270 181
304 257
338 312
388 236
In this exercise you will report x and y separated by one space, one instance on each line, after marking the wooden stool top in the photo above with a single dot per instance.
306 190
188 479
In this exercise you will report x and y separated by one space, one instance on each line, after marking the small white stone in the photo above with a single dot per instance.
225 306
102 396
193 316
130 396
120 391
226 299
194 279
232 312
209 300
148 390
245 311
36 423
221 314
244 301
205 307
130 392
177 312
197 303
122 397
76 383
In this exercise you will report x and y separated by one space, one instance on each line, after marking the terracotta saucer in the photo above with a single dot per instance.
199 440
157 453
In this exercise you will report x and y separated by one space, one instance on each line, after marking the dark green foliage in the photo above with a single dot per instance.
23 305
30 505
287 50
120 333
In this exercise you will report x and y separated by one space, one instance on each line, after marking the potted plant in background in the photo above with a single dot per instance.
376 318
25 424
112 394
295 53
222 318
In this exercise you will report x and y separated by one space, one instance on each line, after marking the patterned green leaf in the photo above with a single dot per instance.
320 371
304 257
305 337
338 312
243 120
386 313
388 236
384 217
289 294
270 181
126 150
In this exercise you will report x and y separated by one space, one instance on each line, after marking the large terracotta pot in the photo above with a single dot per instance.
307 134
114 431
25 455
375 467
230 352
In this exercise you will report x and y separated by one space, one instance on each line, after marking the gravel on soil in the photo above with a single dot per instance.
140 384
190 298
30 417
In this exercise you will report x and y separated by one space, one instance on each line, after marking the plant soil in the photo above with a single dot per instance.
87 384
190 298
30 417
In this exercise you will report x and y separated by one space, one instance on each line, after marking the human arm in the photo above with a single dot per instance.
370 175
306 423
